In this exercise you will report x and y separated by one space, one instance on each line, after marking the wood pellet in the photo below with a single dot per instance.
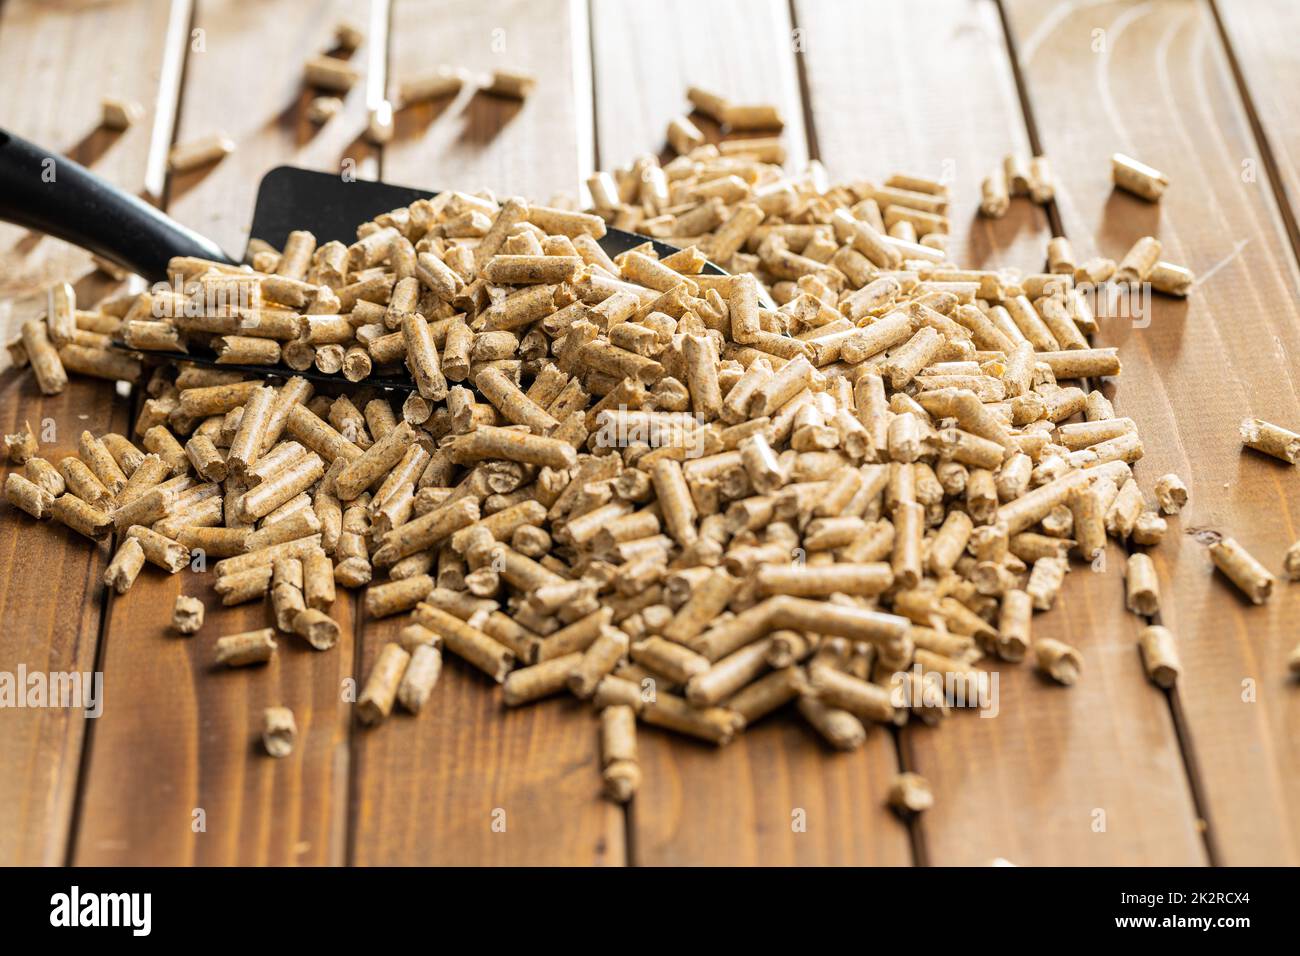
692 500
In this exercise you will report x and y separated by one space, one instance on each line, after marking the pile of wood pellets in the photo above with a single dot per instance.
835 478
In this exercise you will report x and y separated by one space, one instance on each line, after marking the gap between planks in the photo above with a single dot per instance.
1272 169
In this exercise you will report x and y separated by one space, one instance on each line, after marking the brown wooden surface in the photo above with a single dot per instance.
468 782
1196 370
955 118
201 725
50 602
1260 39
883 89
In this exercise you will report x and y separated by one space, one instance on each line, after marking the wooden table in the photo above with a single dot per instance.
1113 771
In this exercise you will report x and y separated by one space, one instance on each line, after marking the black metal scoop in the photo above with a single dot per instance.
81 208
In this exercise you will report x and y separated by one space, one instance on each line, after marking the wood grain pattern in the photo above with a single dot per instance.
1259 35
1034 769
699 804
648 54
430 789
1193 369
202 724
50 604
539 147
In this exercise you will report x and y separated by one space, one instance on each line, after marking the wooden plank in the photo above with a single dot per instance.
537 148
1194 368
50 604
186 736
468 782
954 117
59 60
737 805
648 54
1259 36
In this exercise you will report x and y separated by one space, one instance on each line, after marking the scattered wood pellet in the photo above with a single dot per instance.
1291 562
348 37
125 566
376 700
379 130
910 793
120 114
322 109
510 84
330 73
199 152
437 83
1058 660
1274 440
250 647
279 731
1171 494
22 446
622 772
187 614
1241 568
1137 177
1159 655
1143 585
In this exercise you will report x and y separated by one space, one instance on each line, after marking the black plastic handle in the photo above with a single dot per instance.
45 191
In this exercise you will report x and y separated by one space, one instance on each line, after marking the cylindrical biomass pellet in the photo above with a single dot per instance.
278 731
599 660
1160 655
250 647
1142 585
1241 568
27 495
125 566
187 614
621 771
1137 177
539 680
376 700
1271 440
840 728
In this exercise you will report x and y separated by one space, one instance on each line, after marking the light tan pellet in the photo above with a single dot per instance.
1274 440
1243 570
187 614
421 675
1142 585
1058 660
279 731
910 793
29 496
1137 177
185 157
1171 494
620 768
250 647
1160 655
120 114
126 564
376 700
